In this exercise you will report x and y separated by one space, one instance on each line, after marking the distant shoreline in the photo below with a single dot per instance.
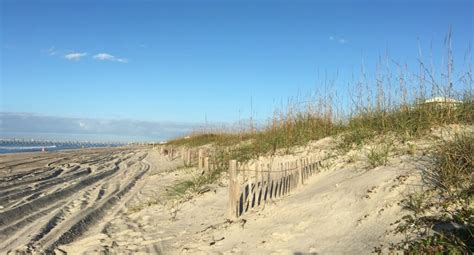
15 148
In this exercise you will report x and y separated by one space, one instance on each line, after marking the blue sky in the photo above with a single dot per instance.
187 61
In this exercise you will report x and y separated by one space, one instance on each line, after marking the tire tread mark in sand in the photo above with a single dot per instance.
25 191
100 159
7 188
24 162
25 209
102 191
52 222
94 215
18 178
60 216
7 231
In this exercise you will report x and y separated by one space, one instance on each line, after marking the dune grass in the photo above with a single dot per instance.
443 214
410 121
400 111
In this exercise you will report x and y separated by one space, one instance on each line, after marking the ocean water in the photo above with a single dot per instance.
13 147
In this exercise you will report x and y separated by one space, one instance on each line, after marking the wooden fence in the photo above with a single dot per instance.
198 157
251 187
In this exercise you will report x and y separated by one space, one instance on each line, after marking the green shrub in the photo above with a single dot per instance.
452 200
454 165
378 155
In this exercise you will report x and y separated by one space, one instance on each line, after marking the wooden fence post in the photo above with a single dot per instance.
269 184
200 159
302 171
206 164
285 178
189 156
233 190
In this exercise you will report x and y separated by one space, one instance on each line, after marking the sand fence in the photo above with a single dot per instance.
200 158
251 184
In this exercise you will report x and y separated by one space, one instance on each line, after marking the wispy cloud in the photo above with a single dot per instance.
109 57
342 41
338 39
52 51
75 56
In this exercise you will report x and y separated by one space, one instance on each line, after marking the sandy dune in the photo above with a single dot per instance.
348 208
115 201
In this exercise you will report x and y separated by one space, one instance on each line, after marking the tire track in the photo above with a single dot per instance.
57 204
38 188
96 214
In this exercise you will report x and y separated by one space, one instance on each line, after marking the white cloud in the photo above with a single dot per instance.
104 56
122 60
52 51
109 57
75 56
338 39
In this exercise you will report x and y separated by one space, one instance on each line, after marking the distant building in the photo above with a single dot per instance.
441 102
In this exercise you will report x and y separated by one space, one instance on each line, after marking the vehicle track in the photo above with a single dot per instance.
42 207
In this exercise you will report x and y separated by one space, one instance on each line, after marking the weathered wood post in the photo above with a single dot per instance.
308 167
185 157
280 188
182 155
256 188
233 190
269 184
189 156
200 159
283 178
263 186
303 167
245 174
206 164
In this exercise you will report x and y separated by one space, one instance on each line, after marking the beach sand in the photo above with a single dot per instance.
116 201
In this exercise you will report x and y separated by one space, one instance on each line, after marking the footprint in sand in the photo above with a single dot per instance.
362 219
370 191
398 181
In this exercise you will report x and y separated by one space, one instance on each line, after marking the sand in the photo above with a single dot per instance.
50 199
115 201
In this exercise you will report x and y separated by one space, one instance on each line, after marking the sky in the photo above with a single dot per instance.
178 64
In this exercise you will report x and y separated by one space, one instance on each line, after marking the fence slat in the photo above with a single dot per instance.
233 190
253 185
